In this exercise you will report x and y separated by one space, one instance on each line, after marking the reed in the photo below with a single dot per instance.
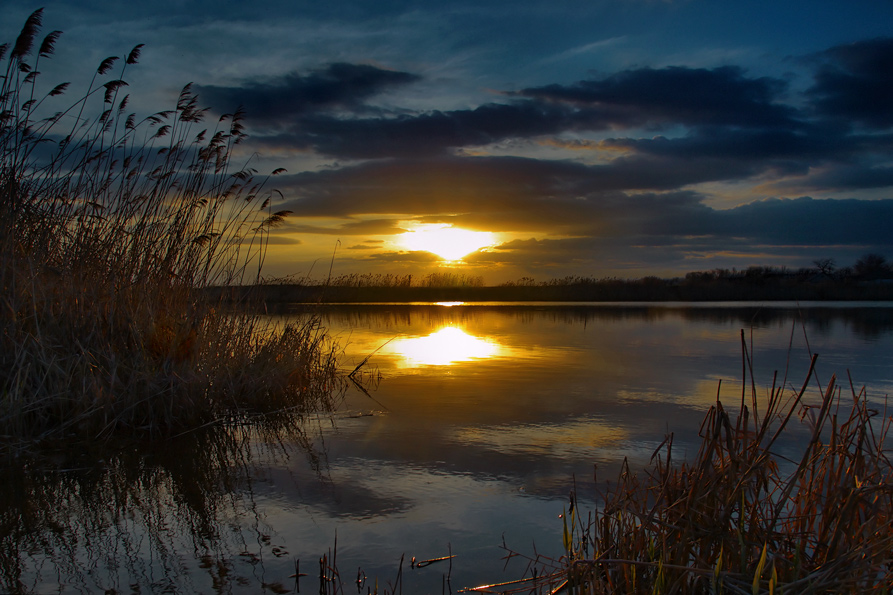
150 517
387 280
110 224
392 281
753 512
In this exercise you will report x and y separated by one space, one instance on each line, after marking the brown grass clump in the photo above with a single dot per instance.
742 519
109 226
755 511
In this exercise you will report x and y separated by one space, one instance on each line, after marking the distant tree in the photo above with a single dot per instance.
872 266
700 276
824 265
756 272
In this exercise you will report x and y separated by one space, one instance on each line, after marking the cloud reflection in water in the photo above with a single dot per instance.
568 439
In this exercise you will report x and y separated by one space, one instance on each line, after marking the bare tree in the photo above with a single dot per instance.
824 265
872 266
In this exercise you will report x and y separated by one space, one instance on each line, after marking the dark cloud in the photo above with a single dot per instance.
647 97
634 203
720 113
449 185
751 145
587 255
352 228
807 221
855 83
678 95
775 232
368 244
424 134
280 100
514 191
276 238
843 177
406 257
567 198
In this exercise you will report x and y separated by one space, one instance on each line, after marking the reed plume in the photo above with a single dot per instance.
111 224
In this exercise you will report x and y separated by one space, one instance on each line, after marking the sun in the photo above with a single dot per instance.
447 242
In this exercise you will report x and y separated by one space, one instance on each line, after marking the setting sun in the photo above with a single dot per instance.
450 243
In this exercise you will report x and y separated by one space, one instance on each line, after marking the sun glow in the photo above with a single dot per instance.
449 243
447 346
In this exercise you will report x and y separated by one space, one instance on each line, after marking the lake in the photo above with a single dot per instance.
468 429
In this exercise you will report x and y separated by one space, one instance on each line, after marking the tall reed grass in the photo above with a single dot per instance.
755 511
392 281
109 224
154 517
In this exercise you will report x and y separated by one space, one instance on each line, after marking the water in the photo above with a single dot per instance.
473 424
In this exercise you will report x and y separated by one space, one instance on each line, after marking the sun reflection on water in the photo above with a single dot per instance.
449 345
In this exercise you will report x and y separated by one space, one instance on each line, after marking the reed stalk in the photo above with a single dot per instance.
111 224
742 518
744 515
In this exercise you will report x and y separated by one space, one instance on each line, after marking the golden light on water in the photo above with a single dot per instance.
447 346
449 243
566 439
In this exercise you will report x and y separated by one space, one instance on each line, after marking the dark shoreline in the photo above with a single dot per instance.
602 291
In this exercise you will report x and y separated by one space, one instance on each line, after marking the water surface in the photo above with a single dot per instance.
470 428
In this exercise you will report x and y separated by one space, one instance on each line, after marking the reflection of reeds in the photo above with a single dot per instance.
108 225
173 517
742 518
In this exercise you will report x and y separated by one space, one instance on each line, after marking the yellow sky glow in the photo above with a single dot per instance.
449 243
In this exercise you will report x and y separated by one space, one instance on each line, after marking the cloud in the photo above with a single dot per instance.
282 99
764 145
626 201
573 199
854 83
275 238
841 177
584 49
808 221
674 235
406 257
437 186
722 97
510 191
352 228
677 95
432 133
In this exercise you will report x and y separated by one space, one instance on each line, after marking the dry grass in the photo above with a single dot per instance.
391 281
740 518
755 511
109 224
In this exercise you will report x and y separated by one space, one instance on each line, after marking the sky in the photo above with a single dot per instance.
606 138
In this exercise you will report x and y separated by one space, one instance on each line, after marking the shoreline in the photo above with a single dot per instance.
621 292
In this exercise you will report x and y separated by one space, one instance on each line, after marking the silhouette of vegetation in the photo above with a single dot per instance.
108 224
745 515
872 267
152 517
870 278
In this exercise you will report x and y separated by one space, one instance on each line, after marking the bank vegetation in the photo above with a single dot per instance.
109 223
870 278
754 511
